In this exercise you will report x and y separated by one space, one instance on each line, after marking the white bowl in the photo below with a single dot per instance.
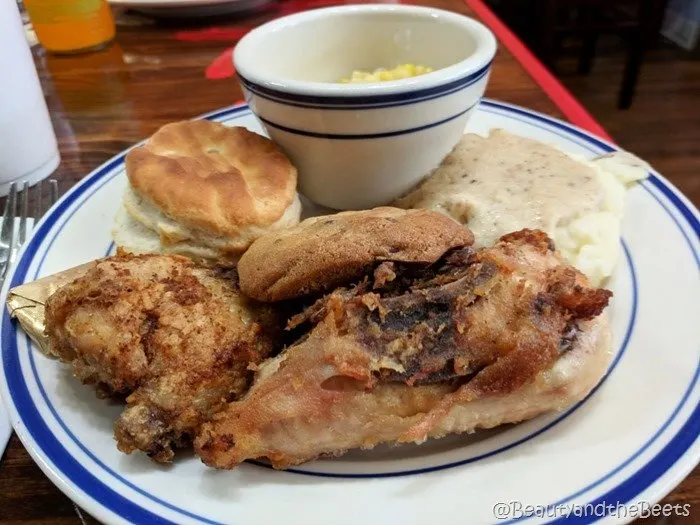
362 145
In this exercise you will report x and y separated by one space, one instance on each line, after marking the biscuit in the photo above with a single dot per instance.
205 184
132 237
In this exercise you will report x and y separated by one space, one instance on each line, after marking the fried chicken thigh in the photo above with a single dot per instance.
478 339
174 337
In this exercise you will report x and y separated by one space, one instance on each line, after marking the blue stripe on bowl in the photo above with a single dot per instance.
342 136
364 101
105 496
303 471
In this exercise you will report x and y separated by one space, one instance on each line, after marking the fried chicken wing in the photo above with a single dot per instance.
174 337
478 339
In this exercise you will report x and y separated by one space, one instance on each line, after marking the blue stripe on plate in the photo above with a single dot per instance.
348 102
653 470
676 447
31 418
585 140
340 136
113 501
623 347
680 206
566 414
61 459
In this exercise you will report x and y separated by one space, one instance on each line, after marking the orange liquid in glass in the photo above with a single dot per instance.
68 26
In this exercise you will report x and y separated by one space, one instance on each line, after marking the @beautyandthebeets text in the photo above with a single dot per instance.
509 510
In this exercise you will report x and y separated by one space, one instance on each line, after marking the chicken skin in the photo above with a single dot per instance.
478 339
173 337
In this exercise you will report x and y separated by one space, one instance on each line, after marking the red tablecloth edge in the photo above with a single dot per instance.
565 101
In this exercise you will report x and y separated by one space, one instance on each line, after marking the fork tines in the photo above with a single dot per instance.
7 233
10 243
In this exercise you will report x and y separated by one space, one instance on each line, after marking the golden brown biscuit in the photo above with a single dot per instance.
217 186
321 253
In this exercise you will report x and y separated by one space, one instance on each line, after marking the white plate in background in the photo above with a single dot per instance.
189 8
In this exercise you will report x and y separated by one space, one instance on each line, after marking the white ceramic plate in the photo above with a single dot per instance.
630 442
189 8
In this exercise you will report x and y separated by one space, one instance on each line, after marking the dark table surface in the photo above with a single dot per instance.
159 72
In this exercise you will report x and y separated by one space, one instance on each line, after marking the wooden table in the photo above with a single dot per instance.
103 102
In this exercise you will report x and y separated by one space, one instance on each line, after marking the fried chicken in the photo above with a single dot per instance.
478 339
173 337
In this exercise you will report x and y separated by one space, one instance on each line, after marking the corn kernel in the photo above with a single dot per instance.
380 75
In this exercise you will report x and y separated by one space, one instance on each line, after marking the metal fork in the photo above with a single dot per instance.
11 242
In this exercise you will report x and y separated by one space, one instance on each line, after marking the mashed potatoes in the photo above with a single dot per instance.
381 74
590 241
504 183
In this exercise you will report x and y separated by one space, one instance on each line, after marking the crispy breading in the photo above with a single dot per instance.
321 253
174 337
422 353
